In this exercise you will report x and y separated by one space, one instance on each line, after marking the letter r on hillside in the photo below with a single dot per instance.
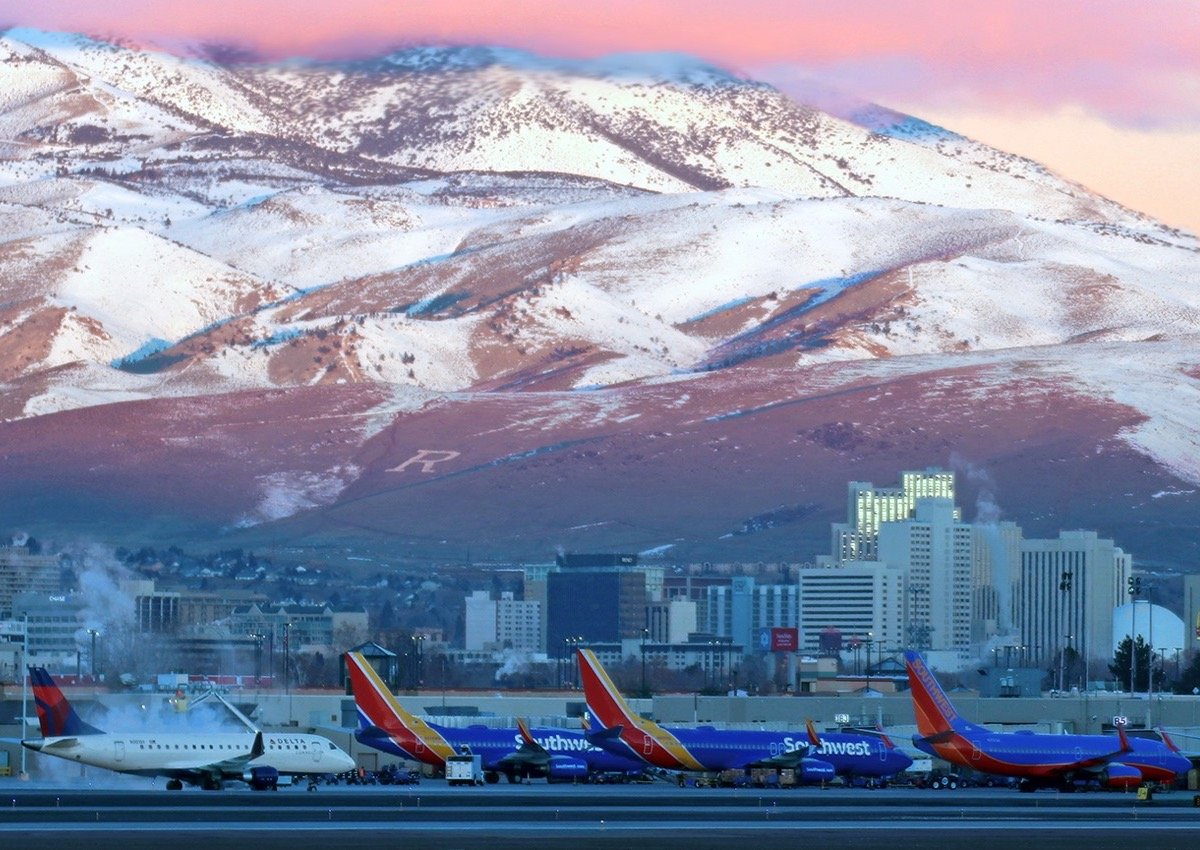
427 458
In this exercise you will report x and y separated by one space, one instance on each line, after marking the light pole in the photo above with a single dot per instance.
258 639
93 633
287 662
23 670
645 635
870 642
418 647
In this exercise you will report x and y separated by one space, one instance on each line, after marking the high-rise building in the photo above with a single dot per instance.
1069 588
1191 613
518 623
479 625
868 507
859 599
934 550
739 609
594 606
21 571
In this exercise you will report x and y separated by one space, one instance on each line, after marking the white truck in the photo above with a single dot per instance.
464 770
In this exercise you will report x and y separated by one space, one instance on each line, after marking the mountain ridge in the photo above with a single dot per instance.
183 231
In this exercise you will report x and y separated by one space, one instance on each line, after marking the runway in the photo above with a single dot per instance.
580 817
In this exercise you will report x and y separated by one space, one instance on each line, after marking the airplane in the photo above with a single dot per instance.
859 755
556 754
206 759
1038 760
704 748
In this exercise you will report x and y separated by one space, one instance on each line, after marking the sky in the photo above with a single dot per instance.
1105 93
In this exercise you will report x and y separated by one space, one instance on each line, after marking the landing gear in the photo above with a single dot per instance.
1026 786
174 785
211 784
492 777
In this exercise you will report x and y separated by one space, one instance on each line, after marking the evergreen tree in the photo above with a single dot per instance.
1123 665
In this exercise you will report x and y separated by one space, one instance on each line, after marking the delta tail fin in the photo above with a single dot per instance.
55 713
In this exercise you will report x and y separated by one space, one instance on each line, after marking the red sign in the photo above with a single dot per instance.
785 640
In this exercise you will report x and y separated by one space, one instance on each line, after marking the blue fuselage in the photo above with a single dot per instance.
493 746
1031 754
860 755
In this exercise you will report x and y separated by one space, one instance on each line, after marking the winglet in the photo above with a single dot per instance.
259 747
813 737
887 742
523 727
1126 747
1167 740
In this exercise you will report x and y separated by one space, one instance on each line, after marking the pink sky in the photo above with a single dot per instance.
1015 73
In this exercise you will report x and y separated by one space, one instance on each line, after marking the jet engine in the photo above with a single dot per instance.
262 778
815 770
1118 775
566 768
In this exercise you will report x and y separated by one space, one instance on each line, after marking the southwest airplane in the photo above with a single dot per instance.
1039 760
557 754
701 749
206 759
871 757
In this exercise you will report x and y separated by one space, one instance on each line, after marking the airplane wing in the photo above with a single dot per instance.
1091 763
783 760
529 754
233 766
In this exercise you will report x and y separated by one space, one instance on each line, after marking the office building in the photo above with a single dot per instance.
1069 588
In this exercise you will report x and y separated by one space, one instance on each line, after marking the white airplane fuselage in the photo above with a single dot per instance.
177 753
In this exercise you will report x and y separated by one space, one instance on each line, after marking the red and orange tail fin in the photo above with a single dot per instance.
56 715
604 701
935 713
378 707
813 737
376 704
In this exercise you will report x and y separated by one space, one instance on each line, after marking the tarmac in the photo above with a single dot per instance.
581 817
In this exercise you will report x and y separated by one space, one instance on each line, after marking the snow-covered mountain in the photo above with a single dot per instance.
274 284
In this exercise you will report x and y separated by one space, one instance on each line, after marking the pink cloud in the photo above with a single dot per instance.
1132 63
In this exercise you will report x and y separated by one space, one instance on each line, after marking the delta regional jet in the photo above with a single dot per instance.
704 748
206 759
1038 760
521 753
